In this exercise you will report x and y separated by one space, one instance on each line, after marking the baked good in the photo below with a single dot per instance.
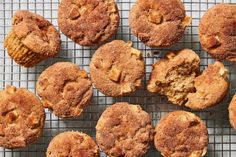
124 130
177 77
158 23
211 87
32 39
65 89
217 32
180 134
72 144
88 22
21 117
232 112
116 68
174 75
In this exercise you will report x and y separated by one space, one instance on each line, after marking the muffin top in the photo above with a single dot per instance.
124 130
158 23
181 133
211 87
116 68
232 112
21 117
36 33
217 31
73 144
65 89
88 22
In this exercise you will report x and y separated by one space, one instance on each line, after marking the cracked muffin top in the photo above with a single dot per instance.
181 133
65 89
217 32
158 23
36 33
21 117
72 144
88 22
117 69
124 130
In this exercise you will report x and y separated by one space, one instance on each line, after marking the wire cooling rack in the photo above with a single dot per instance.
222 138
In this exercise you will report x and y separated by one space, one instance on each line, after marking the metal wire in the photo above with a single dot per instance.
222 137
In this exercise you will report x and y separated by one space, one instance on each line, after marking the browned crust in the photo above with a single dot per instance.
124 130
73 144
21 118
36 33
217 32
177 77
88 22
232 112
211 87
181 133
118 57
65 89
20 53
158 23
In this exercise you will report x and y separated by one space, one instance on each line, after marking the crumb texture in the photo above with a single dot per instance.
88 22
180 134
72 144
65 89
116 68
21 118
217 31
158 23
174 75
124 130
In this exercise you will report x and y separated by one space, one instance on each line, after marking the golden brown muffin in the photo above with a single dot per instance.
65 89
72 144
174 75
21 118
217 32
117 69
88 22
181 134
124 130
232 112
32 39
158 23
211 87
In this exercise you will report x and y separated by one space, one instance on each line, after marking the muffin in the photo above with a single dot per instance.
217 32
88 22
158 23
181 133
174 75
211 87
72 144
117 69
65 89
21 118
32 39
124 130
232 112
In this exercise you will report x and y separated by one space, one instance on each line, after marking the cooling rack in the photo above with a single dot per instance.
222 138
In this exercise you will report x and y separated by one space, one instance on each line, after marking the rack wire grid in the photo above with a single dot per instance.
222 138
